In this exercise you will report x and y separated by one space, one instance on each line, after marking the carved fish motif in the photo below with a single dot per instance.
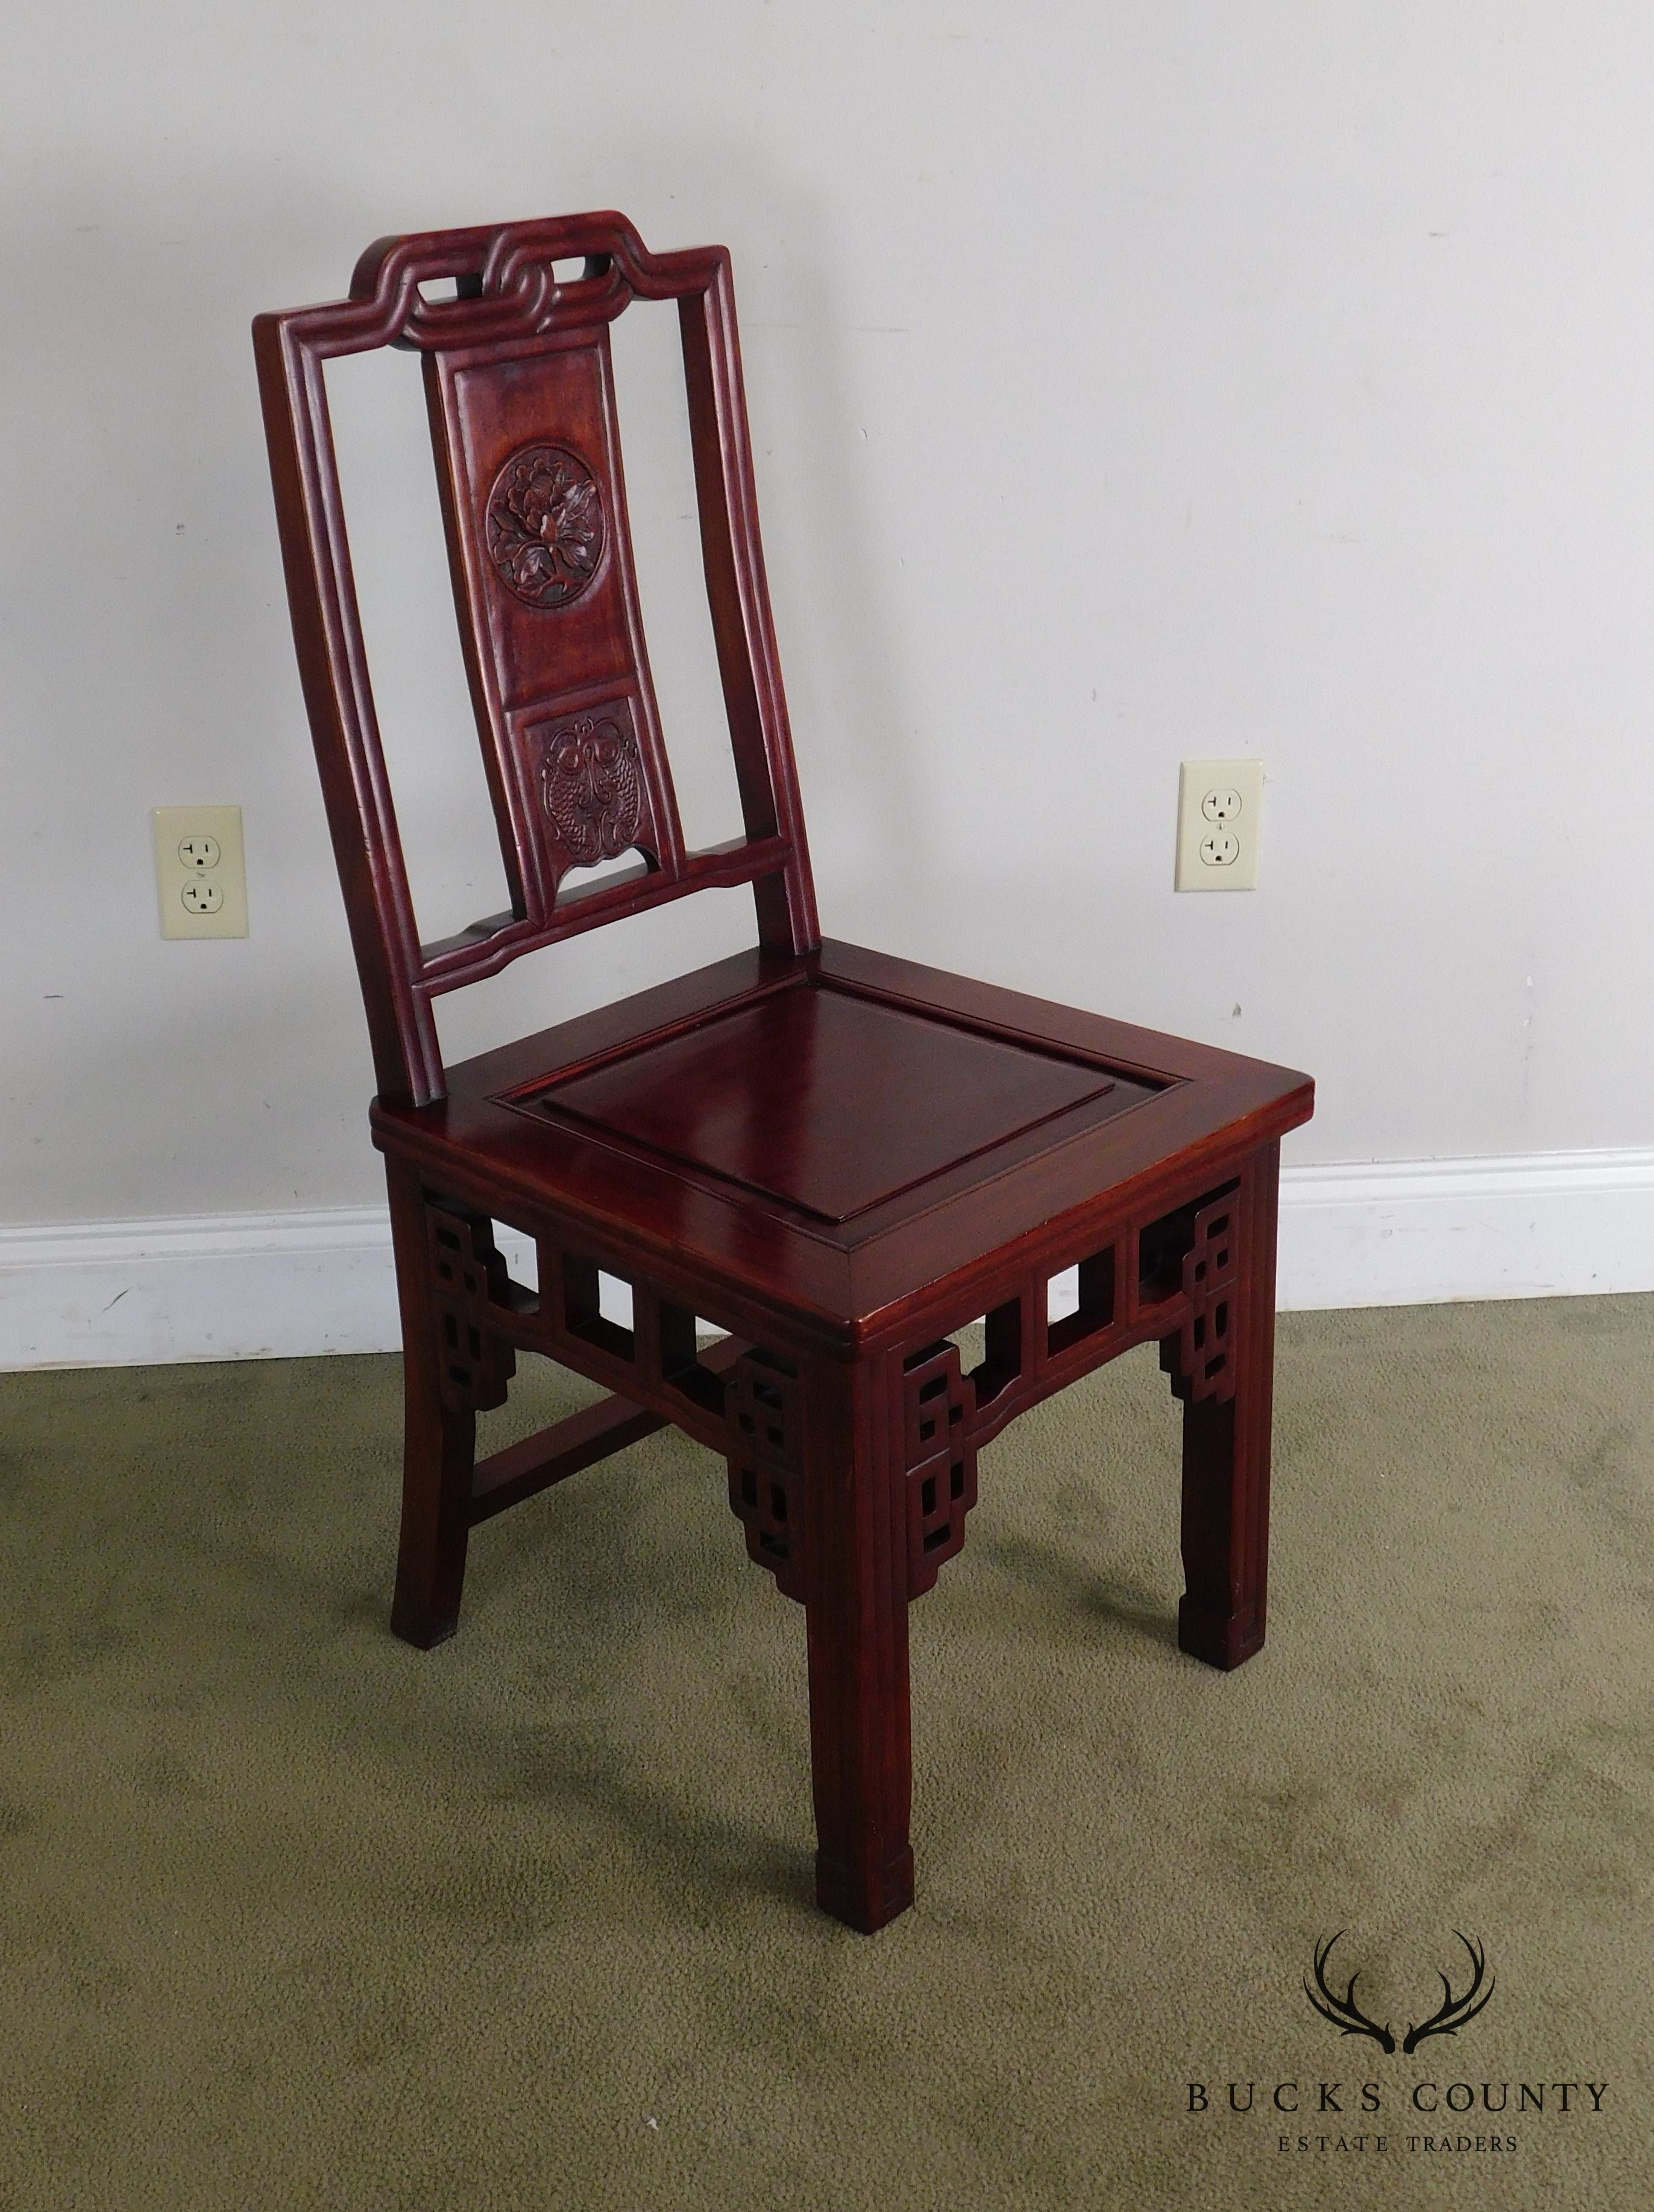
592 789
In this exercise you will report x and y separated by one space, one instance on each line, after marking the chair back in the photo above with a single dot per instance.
520 392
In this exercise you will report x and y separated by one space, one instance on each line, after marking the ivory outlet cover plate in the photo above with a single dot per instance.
200 872
1219 807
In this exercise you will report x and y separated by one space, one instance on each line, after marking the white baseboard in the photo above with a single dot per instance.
283 1285
216 1286
1427 1232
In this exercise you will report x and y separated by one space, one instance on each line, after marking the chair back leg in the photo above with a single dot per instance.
439 1437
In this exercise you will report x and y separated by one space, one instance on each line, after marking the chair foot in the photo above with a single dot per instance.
865 1899
421 1627
1223 1640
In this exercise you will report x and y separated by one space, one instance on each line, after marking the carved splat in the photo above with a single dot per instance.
940 1459
765 1456
1200 1355
470 1283
527 457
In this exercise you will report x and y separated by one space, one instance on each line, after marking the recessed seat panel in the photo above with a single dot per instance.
829 1102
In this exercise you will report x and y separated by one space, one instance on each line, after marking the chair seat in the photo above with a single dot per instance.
835 1131
830 1103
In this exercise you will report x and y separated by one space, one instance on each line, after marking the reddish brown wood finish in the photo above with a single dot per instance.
839 1159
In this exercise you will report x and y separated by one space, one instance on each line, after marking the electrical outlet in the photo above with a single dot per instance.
200 872
1219 805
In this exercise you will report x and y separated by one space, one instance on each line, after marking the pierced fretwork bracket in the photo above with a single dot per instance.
761 1404
468 1279
940 1461
1199 1357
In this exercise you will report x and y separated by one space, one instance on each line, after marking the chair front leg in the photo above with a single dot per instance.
817 1475
855 1611
1222 1366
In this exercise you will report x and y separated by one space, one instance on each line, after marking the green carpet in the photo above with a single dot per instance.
295 1916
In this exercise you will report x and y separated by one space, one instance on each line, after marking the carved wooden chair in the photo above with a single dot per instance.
840 1158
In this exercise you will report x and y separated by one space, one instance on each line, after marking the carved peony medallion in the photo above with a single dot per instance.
545 525
592 788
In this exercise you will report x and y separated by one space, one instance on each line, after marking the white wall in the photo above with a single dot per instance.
1129 382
